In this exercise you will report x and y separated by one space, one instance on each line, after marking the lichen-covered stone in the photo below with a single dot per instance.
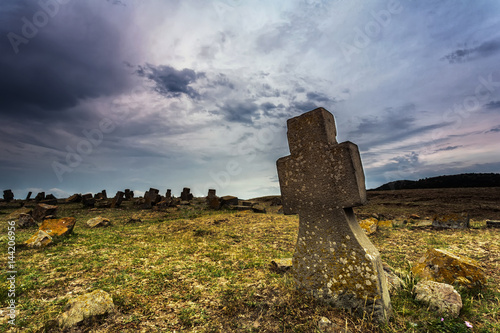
96 303
440 297
369 225
58 227
98 221
443 266
385 224
41 238
321 181
451 221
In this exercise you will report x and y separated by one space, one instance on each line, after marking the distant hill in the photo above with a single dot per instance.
462 180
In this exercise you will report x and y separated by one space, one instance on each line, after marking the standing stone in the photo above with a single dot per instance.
8 196
40 196
129 195
213 200
321 181
28 196
88 200
151 198
117 200
186 194
168 195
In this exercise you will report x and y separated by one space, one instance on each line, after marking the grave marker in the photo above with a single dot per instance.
321 181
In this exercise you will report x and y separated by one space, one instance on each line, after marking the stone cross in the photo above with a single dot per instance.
321 181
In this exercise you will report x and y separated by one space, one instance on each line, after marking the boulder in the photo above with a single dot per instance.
394 283
443 266
440 297
15 214
281 265
40 196
186 194
58 227
451 221
75 198
98 221
87 306
102 203
43 210
26 221
493 224
88 200
117 200
276 201
229 200
369 225
41 238
258 208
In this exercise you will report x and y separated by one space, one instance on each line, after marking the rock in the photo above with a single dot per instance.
75 198
98 221
28 196
442 266
41 238
385 224
258 208
26 221
15 214
58 227
8 196
276 201
117 200
40 196
186 194
369 225
493 224
326 326
440 297
102 203
88 306
451 221
43 210
134 220
394 283
414 217
281 265
88 200
229 200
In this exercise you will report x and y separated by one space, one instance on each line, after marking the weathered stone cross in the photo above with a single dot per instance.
322 180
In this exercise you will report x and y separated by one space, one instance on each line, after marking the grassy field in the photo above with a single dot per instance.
193 270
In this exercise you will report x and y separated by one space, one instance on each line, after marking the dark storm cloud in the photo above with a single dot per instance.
467 54
239 111
74 56
493 105
171 82
494 129
448 148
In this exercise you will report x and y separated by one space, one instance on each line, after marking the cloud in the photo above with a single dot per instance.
448 148
239 111
467 54
62 64
493 105
171 82
494 129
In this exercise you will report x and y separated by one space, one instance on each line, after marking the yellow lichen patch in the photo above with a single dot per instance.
58 227
385 224
41 238
443 266
369 225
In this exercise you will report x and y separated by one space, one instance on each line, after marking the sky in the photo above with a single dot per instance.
196 93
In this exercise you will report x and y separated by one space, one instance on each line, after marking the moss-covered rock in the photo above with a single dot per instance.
443 266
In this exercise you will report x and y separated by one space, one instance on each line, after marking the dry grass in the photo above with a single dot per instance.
192 270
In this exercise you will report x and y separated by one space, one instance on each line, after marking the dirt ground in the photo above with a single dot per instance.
481 203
